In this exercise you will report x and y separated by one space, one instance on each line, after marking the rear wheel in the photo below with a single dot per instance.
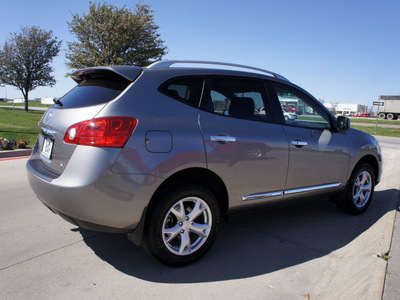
390 116
381 116
184 225
359 190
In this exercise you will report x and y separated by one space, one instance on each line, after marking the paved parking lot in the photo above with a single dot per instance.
307 251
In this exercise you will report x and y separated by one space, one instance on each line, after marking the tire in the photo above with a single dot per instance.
184 225
390 116
381 116
359 190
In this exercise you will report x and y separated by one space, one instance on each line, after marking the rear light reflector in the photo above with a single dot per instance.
101 132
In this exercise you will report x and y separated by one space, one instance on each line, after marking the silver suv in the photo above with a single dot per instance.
165 152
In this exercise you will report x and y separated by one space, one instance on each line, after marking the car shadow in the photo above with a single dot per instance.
251 244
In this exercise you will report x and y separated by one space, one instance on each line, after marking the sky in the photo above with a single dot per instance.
341 51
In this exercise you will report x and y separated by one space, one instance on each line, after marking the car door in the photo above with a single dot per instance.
243 146
318 154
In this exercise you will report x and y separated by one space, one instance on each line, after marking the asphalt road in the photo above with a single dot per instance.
307 251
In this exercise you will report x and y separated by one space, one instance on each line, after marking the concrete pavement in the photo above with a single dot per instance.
21 107
392 282
306 251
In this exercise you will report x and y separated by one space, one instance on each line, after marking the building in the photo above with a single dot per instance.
347 109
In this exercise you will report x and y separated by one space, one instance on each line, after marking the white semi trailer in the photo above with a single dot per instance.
390 108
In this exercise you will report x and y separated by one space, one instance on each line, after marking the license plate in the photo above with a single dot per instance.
47 148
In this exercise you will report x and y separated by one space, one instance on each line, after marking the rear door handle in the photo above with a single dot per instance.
299 144
222 138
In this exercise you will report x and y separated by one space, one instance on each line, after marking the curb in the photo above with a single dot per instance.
391 288
15 153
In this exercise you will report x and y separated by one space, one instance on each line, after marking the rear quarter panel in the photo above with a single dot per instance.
157 113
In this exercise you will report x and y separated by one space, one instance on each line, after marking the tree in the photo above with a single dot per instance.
25 60
109 35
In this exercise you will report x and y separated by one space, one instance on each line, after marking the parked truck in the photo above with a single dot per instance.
390 108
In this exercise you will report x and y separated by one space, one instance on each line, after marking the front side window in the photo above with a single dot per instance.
237 98
299 110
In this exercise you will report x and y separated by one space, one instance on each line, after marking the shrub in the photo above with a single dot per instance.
12 144
22 144
5 144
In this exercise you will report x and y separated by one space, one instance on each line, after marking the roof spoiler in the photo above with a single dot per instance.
129 73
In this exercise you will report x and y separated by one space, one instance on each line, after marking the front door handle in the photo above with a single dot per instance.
222 138
299 144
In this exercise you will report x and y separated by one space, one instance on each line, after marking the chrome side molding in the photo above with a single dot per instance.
262 196
289 192
311 188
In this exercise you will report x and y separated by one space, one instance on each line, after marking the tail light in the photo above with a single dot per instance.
101 132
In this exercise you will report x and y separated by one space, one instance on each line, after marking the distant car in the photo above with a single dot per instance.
289 115
164 153
293 109
288 107
286 113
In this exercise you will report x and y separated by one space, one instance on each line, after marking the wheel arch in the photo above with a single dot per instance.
373 162
193 176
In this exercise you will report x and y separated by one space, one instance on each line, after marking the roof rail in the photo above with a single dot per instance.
168 63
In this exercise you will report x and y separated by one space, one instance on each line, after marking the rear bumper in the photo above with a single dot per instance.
87 225
101 200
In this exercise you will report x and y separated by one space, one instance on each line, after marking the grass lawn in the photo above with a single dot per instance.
373 121
393 132
18 124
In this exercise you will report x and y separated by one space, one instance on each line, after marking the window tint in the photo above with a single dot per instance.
187 90
237 98
299 110
92 92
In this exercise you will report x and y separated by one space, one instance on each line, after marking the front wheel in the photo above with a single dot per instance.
359 190
184 225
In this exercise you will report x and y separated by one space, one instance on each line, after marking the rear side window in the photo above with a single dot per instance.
92 92
237 98
186 90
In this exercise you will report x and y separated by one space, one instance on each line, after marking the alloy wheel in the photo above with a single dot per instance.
362 188
187 226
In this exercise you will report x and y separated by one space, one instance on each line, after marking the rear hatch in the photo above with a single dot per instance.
96 87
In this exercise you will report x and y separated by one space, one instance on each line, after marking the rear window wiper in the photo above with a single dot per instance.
57 101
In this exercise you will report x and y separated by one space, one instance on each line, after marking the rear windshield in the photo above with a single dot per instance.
92 92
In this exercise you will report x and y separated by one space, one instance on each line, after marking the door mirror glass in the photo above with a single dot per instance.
343 123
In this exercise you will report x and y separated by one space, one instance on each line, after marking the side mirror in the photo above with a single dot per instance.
343 123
